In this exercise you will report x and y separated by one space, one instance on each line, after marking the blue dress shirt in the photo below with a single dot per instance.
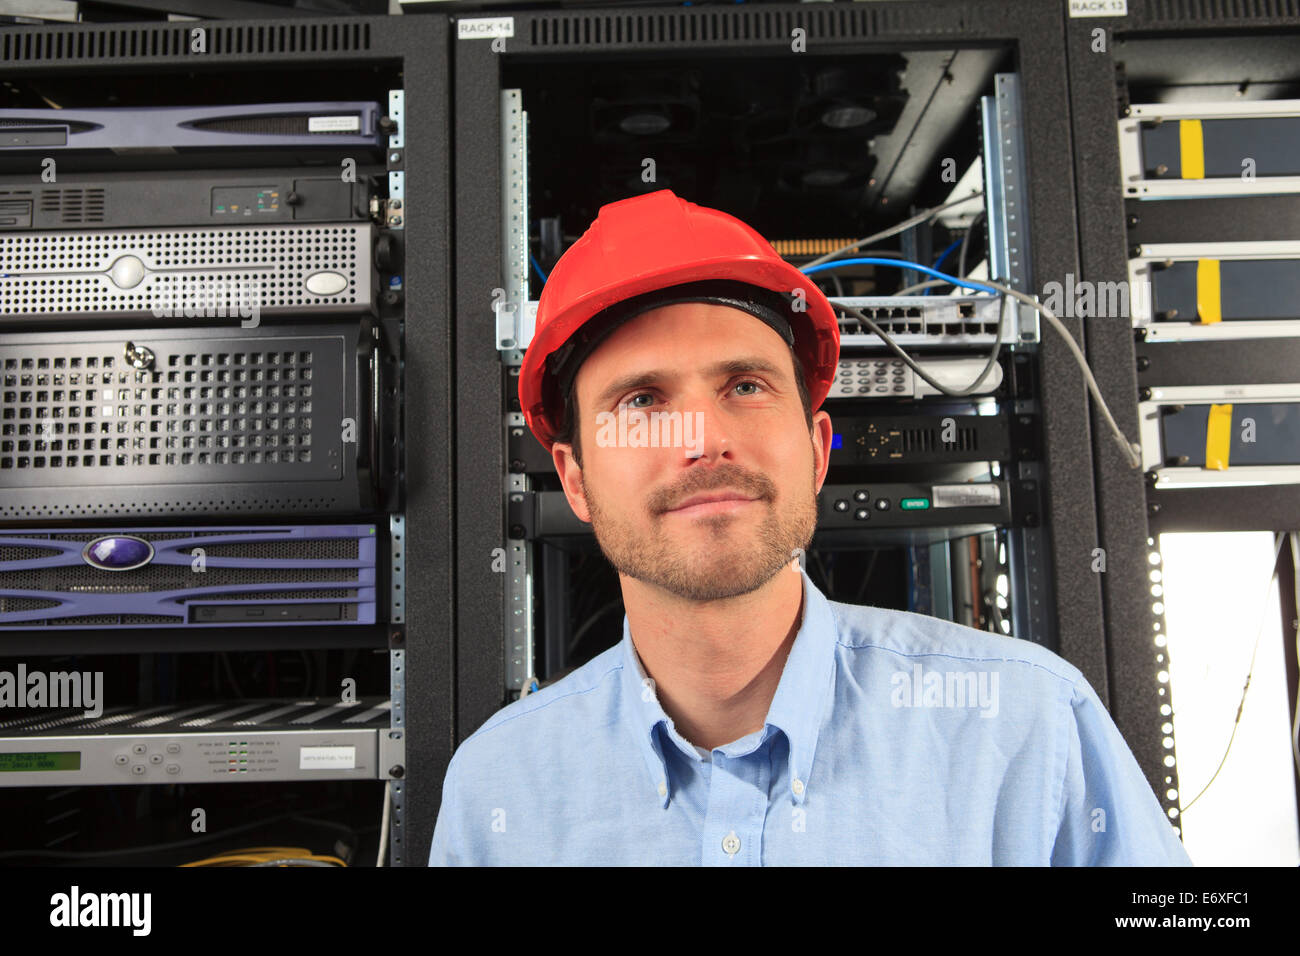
893 738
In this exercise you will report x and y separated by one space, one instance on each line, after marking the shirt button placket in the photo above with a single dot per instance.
736 809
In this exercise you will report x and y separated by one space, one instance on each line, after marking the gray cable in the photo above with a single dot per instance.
903 226
965 243
927 284
1131 450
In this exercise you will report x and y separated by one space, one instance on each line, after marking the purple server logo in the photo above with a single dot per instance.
118 552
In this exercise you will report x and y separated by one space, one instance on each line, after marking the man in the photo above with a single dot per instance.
744 719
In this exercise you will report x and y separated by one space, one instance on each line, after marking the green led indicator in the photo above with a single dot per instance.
915 504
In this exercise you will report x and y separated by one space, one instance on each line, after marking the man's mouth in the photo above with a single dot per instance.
708 503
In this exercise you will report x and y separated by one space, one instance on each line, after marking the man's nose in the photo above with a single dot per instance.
707 429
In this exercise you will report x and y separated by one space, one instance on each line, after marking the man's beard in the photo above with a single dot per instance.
720 558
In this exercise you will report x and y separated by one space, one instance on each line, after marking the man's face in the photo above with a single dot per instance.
742 432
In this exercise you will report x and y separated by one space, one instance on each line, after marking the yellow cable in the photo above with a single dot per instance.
261 854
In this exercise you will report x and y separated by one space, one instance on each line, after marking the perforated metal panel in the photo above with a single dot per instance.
278 422
252 408
231 275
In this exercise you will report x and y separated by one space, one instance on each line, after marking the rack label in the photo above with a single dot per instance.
1098 8
333 124
966 496
485 28
327 758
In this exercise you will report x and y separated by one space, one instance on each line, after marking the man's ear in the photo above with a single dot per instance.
822 433
570 472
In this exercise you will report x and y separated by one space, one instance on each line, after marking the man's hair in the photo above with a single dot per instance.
569 431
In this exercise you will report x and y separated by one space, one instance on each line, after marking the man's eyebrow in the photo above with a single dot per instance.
734 366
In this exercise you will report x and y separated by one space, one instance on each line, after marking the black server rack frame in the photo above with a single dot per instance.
1033 31
1130 514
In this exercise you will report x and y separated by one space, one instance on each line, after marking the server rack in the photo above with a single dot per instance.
488 159
1238 53
414 627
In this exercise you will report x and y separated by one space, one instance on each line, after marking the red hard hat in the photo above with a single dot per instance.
648 243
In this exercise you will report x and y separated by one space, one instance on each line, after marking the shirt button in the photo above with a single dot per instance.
731 844
663 788
797 786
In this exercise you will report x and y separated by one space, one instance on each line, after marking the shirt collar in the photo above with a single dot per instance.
798 706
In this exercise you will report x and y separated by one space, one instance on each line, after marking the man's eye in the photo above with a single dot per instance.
630 401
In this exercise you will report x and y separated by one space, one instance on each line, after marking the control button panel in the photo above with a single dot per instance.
871 378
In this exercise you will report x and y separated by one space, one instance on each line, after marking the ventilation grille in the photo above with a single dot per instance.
56 124
82 579
14 553
208 273
91 619
294 549
711 26
95 411
178 503
150 533
11 604
142 42
74 207
1181 12
926 440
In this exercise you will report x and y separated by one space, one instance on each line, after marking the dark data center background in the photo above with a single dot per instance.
1077 495
1027 38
